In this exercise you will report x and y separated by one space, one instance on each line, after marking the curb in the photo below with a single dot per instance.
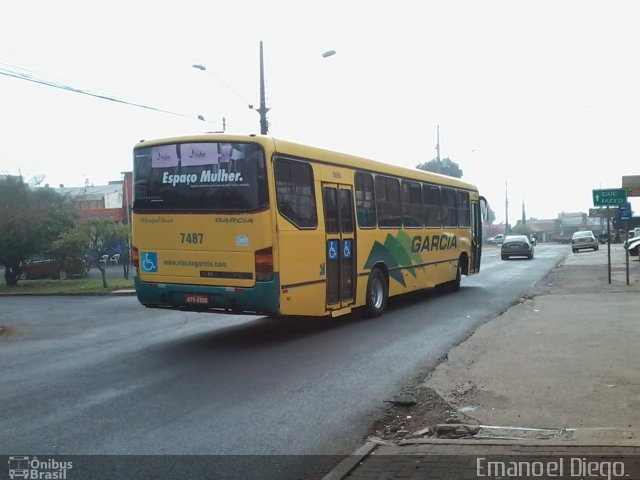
521 443
353 460
121 293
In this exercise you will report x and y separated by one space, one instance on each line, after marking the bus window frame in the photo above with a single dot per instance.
361 174
397 181
439 206
276 160
408 183
466 210
449 208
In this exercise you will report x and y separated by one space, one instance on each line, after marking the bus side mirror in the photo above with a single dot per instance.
484 209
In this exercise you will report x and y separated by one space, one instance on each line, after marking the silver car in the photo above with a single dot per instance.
516 246
584 239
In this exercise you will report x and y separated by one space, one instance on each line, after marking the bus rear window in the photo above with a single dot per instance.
211 176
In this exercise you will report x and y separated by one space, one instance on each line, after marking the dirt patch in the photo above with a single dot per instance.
7 330
401 420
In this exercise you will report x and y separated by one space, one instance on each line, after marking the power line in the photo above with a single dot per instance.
31 78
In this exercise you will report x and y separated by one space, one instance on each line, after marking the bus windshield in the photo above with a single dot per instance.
204 176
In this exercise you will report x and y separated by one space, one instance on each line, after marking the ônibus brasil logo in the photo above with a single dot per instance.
35 469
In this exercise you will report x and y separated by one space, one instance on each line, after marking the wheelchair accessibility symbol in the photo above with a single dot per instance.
332 249
347 249
149 262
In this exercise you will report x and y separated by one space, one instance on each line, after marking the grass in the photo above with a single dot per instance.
71 286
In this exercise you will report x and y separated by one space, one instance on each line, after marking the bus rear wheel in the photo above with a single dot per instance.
377 293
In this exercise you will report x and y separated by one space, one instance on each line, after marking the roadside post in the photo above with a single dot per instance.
624 214
609 197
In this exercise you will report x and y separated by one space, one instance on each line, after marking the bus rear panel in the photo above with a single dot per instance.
202 227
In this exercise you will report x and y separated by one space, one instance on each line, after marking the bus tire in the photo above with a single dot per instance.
377 293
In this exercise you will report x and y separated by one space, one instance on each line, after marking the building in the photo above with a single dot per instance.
105 202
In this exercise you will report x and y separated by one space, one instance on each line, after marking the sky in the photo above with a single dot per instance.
537 102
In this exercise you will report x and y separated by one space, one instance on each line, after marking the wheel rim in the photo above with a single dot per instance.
377 293
63 275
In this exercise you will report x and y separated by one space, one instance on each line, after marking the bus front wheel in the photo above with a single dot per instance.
376 293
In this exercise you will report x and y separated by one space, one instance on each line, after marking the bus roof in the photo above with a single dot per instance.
303 151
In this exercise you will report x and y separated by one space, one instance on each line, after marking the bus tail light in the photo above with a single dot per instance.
264 265
135 258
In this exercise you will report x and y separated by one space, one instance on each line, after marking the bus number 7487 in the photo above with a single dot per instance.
193 238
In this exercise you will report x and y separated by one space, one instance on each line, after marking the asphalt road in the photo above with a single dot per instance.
105 376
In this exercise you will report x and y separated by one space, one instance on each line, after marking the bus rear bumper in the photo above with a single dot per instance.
262 298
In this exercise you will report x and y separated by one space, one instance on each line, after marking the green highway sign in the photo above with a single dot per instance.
609 197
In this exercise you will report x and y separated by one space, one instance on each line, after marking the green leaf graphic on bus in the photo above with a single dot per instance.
406 242
394 253
379 253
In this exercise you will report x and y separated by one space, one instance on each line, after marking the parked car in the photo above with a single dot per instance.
603 238
496 240
584 239
46 266
633 246
516 246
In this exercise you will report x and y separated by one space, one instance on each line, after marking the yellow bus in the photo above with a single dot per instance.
254 224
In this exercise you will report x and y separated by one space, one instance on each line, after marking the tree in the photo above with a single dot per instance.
94 239
445 166
491 215
522 229
30 220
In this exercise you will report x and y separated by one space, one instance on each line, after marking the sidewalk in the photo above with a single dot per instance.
555 376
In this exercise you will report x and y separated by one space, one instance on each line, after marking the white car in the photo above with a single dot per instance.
497 240
584 239
633 246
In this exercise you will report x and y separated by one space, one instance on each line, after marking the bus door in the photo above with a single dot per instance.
340 244
476 231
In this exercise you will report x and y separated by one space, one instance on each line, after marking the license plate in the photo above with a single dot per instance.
196 299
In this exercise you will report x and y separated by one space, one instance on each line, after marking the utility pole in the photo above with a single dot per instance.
262 111
438 143
506 210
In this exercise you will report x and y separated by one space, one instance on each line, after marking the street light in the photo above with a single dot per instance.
262 109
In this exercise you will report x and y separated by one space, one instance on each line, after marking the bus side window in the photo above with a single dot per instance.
365 200
431 204
388 204
294 192
411 204
448 207
464 209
